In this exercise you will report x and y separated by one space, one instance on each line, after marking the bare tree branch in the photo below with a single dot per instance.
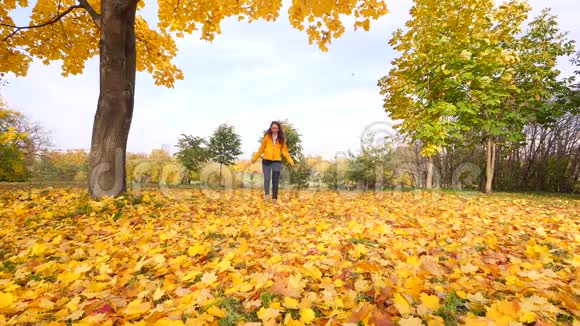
176 11
94 15
84 4
48 22
68 45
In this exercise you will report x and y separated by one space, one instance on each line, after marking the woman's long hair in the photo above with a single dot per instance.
281 138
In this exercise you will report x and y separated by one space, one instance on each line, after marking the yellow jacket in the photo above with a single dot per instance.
272 152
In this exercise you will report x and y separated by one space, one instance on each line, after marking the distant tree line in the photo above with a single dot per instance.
548 159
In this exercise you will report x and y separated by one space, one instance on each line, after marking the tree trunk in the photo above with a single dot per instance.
489 165
220 180
429 180
107 174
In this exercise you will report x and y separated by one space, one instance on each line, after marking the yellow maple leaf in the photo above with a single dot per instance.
462 294
6 300
527 317
197 249
136 308
68 277
45 303
38 249
430 301
268 313
244 246
73 304
158 259
401 304
169 322
473 320
412 260
158 294
83 268
295 283
95 319
75 315
469 268
217 312
312 271
502 313
435 321
245 287
288 321
307 315
275 305
361 285
410 321
224 265
209 278
290 303
56 240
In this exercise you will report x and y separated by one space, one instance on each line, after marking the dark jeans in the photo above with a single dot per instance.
271 170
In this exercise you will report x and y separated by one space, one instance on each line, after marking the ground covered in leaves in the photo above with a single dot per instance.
197 257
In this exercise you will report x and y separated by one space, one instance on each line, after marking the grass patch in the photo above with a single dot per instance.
363 241
452 307
267 298
365 297
563 318
214 236
8 266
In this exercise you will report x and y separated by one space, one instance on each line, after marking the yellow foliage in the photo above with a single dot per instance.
306 315
401 304
6 299
430 301
75 37
136 308
198 259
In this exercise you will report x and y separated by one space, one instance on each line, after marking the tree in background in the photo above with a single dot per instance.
157 167
465 75
224 147
134 172
536 74
488 80
193 152
418 86
126 43
343 172
524 87
377 162
66 166
300 173
331 176
21 142
549 157
12 142
572 97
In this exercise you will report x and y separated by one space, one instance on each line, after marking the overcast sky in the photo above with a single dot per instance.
250 75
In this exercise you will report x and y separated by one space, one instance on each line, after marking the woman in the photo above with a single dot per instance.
273 146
